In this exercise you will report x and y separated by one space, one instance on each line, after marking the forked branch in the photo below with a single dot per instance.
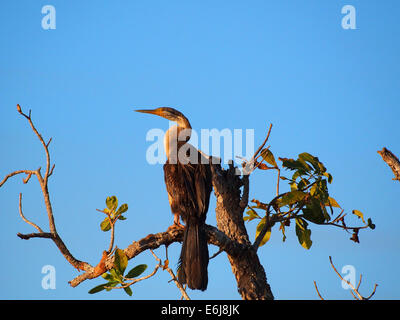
354 290
43 182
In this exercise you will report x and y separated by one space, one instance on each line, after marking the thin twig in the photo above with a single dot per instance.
373 292
27 172
45 146
277 183
169 270
263 144
25 219
348 282
316 288
216 254
353 291
249 166
359 282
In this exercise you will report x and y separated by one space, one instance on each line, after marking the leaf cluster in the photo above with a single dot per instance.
113 214
116 276
308 201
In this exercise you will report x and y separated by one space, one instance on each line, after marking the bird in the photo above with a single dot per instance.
188 180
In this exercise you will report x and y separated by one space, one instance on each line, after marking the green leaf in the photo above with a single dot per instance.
305 165
112 203
302 184
329 176
359 214
120 260
297 174
370 224
321 167
282 228
136 271
303 234
314 161
251 214
98 288
122 208
128 291
121 218
107 276
291 198
269 157
305 156
116 275
293 186
267 236
313 189
105 225
313 214
332 202
294 165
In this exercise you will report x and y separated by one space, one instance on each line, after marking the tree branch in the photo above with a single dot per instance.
53 235
154 241
246 267
23 217
392 161
231 238
354 291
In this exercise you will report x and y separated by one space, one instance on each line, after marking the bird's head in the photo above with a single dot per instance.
168 113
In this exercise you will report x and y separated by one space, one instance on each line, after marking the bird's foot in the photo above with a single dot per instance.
175 225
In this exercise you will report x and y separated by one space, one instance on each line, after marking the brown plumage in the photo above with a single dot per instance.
187 176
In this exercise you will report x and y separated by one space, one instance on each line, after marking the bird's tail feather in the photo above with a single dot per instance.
193 262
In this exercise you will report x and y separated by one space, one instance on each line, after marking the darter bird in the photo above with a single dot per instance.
187 176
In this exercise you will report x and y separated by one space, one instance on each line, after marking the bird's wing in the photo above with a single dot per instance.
203 188
179 183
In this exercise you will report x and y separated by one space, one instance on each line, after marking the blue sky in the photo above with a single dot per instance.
227 64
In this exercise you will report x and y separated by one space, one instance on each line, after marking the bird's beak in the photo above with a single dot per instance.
151 111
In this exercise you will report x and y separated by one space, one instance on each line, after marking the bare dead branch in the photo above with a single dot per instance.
354 291
12 174
216 254
28 236
53 235
248 167
372 293
316 288
263 144
45 146
348 282
174 279
392 161
26 220
52 169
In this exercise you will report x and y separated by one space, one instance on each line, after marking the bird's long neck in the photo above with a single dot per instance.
175 137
